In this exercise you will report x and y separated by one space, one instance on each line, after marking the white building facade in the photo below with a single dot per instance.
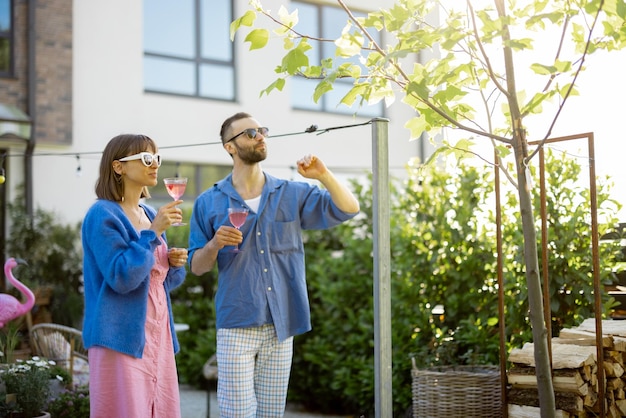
88 70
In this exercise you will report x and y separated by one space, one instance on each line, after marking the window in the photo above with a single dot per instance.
327 22
187 48
6 38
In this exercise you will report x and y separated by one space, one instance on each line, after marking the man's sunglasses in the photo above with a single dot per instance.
146 158
251 133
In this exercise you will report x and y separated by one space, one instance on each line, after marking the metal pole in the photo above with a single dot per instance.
382 275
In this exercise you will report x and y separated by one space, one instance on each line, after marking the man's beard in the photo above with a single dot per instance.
251 155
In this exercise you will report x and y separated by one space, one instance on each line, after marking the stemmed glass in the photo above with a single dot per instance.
175 187
237 217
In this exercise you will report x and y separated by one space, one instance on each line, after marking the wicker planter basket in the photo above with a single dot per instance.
456 391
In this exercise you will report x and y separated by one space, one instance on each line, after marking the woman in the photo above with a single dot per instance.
129 273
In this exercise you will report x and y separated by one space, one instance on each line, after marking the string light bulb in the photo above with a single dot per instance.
3 177
79 170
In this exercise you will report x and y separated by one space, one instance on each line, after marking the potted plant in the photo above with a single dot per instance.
28 381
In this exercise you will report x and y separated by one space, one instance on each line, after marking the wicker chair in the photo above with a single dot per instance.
60 343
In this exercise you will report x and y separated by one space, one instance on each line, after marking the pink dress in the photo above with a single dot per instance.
124 386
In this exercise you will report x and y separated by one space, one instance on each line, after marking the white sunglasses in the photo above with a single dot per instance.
146 158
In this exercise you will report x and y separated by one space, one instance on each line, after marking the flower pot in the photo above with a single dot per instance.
20 415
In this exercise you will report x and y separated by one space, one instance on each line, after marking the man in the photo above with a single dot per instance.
261 301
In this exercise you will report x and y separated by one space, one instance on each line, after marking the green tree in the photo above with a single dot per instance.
475 65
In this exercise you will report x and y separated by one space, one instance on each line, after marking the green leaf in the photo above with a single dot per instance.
520 44
535 104
288 20
543 69
420 89
246 20
563 91
462 149
258 38
279 84
380 92
294 60
417 126
322 88
349 44
503 150
351 96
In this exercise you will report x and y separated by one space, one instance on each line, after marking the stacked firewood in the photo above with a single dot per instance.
575 373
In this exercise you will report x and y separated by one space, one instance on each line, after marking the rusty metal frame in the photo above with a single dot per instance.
546 295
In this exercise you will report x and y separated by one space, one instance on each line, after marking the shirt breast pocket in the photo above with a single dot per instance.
285 237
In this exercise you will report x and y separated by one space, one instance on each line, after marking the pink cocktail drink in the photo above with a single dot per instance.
237 218
175 187
176 190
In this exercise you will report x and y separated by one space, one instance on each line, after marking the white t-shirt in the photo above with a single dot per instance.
254 203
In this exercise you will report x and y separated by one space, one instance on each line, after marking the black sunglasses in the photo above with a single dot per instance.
251 133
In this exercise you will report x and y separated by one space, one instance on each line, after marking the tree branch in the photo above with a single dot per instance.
490 71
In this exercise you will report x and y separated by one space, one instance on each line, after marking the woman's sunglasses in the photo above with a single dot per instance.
146 158
251 133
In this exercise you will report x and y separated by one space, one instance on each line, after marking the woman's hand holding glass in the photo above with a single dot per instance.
169 214
177 256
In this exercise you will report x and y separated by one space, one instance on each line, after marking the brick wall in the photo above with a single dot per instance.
53 63
52 115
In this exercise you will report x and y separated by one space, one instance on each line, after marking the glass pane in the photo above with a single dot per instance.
169 76
217 82
308 18
5 15
308 23
169 27
215 30
302 94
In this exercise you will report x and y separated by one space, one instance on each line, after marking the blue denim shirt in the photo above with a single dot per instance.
265 283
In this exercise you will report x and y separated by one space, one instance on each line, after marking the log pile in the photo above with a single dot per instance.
575 373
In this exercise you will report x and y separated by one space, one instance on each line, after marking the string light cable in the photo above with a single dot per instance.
311 129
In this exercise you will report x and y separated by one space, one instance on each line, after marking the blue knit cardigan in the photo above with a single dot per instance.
117 261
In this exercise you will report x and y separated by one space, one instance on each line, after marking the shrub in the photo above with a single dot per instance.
71 404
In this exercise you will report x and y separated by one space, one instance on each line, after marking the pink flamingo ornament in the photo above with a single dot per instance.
10 307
